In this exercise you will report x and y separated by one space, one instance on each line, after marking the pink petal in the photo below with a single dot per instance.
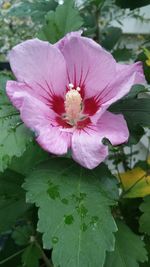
16 92
35 113
60 44
87 147
40 65
114 128
126 77
138 68
53 140
37 116
89 65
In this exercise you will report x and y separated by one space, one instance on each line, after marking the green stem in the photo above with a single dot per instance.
131 156
124 162
97 16
45 259
117 169
11 257
18 124
9 115
147 154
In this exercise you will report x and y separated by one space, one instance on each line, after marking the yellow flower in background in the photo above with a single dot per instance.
135 183
6 5
147 54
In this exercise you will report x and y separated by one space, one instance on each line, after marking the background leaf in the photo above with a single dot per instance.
129 249
145 218
136 183
10 253
136 113
31 256
12 199
65 19
73 209
132 4
14 136
135 91
21 234
142 57
33 155
138 110
123 54
36 9
111 36
147 243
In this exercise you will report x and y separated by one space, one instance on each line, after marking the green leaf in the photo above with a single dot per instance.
132 4
147 243
138 110
136 133
110 37
14 137
145 218
31 256
73 210
98 3
135 90
129 208
10 254
123 54
136 113
33 155
65 19
129 249
21 235
12 199
142 57
108 181
36 9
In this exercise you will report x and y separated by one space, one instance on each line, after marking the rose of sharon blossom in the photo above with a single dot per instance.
63 92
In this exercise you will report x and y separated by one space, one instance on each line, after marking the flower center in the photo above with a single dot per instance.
73 105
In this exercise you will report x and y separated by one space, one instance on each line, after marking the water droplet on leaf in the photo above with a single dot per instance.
94 222
55 239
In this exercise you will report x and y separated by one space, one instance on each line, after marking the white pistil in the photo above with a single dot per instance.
71 86
73 106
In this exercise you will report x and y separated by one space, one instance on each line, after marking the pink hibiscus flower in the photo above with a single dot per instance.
63 92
